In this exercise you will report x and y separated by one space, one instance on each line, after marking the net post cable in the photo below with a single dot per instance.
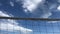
43 19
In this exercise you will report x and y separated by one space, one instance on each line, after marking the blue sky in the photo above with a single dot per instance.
33 9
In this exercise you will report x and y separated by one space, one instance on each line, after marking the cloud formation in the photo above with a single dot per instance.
46 15
31 5
58 8
3 14
11 25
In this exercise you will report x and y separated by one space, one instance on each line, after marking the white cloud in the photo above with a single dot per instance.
46 15
58 8
11 3
11 25
31 5
3 14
